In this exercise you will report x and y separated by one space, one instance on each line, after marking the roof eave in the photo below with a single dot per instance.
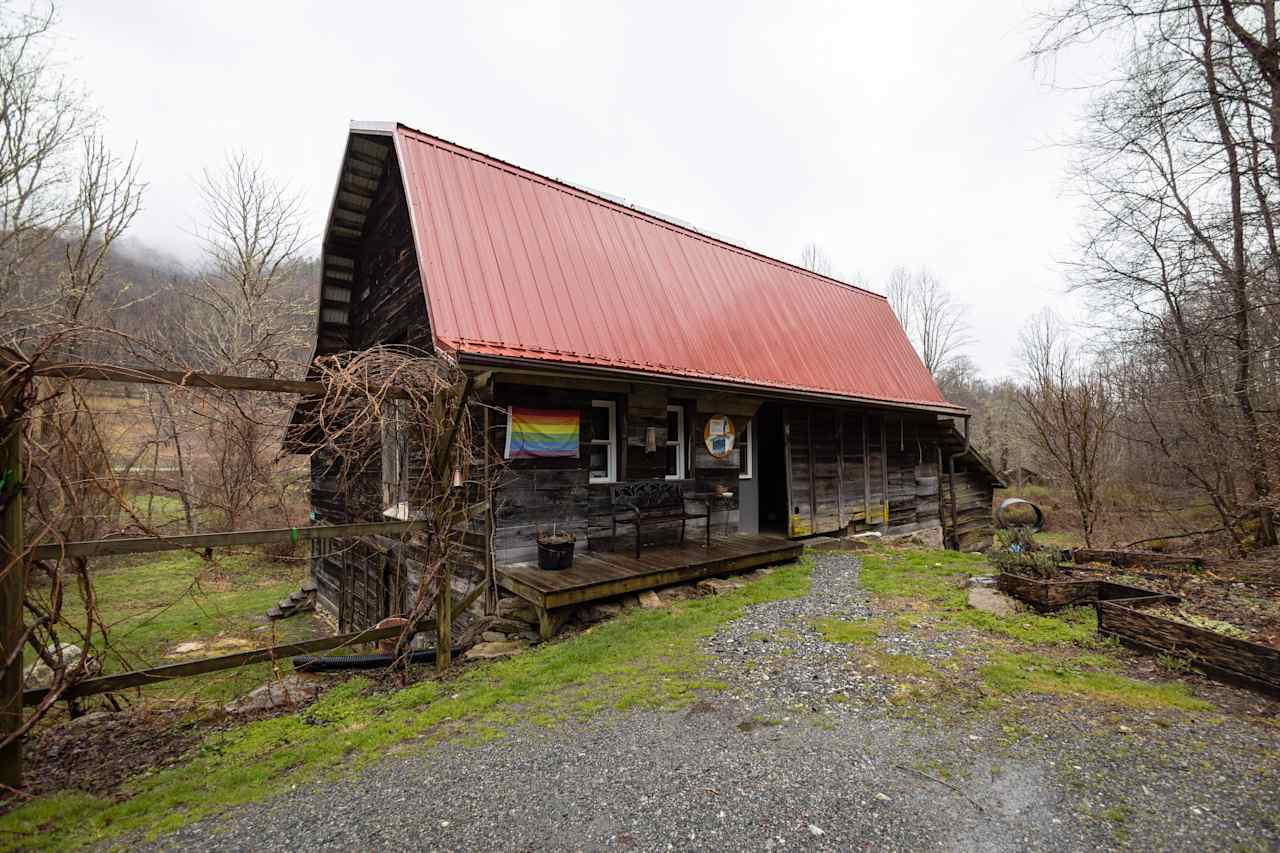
633 374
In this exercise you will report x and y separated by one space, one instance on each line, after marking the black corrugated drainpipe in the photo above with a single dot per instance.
951 483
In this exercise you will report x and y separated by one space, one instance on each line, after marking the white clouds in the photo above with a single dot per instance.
890 133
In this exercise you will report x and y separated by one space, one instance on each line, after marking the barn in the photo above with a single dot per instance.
631 357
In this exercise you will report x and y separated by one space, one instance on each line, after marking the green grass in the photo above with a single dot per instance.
642 659
154 603
903 665
928 586
1014 674
932 580
861 633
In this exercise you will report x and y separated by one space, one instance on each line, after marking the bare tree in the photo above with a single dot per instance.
936 324
253 236
1180 163
1067 402
814 259
249 315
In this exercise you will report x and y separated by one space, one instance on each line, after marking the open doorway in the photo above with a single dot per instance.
771 461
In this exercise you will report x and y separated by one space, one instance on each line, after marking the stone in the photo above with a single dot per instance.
493 637
93 718
288 692
650 599
487 651
717 586
40 675
994 601
387 645
518 609
507 626
597 612
629 601
682 592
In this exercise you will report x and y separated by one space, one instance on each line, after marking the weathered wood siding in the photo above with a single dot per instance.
389 305
974 529
539 494
359 582
858 470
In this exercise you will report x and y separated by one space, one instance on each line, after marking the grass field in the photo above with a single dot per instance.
152 604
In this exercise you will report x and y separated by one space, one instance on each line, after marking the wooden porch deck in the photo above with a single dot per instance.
603 574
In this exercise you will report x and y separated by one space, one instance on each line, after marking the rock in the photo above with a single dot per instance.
388 645
672 594
650 599
92 718
293 689
629 601
718 586
519 609
597 612
507 626
493 637
187 648
40 675
994 601
486 651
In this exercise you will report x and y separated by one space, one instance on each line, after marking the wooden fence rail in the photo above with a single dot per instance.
144 677
152 544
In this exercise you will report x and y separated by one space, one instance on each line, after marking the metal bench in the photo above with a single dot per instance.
645 501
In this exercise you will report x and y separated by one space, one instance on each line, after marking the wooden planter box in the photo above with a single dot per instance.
1046 595
1225 658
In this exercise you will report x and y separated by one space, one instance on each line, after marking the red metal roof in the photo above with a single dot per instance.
516 264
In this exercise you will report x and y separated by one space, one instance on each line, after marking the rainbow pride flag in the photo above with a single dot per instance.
541 432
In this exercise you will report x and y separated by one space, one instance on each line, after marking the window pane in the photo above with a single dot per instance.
599 423
673 467
673 426
599 461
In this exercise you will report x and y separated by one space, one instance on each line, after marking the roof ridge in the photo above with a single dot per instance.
595 198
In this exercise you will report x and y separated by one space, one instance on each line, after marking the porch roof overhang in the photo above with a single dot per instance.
540 367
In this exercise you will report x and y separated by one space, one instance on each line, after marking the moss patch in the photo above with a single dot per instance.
645 658
934 581
1031 673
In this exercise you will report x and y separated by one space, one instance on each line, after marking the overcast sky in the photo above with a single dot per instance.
906 133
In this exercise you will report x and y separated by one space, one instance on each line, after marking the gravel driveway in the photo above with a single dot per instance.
802 750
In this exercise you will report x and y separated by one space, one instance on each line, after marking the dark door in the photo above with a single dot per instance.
772 463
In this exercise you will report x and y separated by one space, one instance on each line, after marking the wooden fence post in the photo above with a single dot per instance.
444 619
12 587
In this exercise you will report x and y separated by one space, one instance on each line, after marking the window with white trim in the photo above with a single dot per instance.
675 443
744 453
603 450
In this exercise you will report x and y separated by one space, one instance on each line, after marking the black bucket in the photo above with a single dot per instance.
553 558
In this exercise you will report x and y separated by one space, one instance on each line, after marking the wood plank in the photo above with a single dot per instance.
673 575
610 570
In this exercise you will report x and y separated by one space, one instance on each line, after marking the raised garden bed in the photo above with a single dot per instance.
1147 624
1054 594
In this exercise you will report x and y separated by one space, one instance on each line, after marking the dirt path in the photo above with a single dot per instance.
805 748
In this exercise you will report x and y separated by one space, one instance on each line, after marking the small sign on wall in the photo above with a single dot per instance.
719 436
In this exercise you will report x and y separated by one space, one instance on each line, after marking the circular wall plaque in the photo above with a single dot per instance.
719 436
